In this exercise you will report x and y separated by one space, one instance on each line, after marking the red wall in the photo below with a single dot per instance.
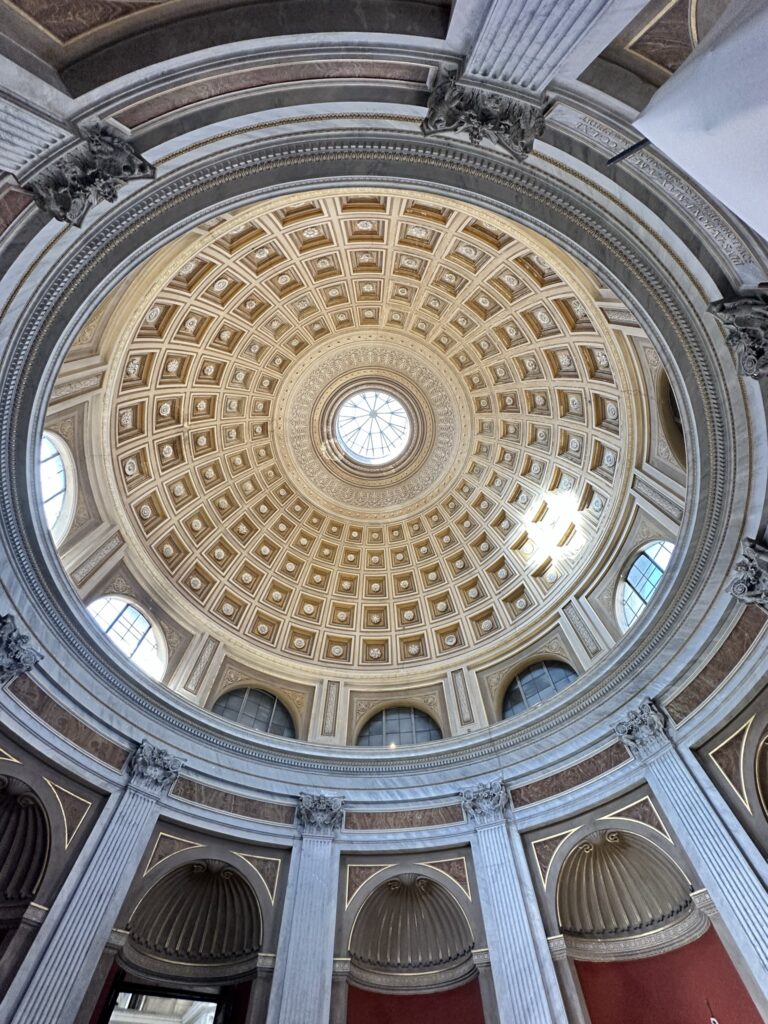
669 989
456 1006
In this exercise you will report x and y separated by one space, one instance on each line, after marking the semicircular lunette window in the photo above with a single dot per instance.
534 684
399 727
256 709
131 632
373 427
54 486
643 579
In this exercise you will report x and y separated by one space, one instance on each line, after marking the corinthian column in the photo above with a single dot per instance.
523 973
736 890
61 961
301 989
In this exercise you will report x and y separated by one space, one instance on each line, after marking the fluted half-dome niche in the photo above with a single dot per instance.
203 913
410 924
617 883
24 841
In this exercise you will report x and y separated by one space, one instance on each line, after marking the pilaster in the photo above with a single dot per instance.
301 990
523 973
736 890
71 941
570 985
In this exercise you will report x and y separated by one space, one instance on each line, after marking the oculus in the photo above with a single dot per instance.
373 427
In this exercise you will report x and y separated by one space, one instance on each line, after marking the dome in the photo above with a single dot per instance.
236 354
384 568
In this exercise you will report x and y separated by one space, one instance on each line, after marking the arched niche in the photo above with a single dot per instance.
25 841
620 894
201 921
411 934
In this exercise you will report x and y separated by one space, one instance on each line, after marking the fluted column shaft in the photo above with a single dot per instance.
523 972
70 943
301 989
737 891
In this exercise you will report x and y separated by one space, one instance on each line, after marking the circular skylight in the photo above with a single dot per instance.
373 427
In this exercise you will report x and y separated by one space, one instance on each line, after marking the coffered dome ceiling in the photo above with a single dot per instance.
229 355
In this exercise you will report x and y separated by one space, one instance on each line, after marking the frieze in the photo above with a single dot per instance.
682 192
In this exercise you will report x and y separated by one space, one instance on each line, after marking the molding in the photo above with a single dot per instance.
684 929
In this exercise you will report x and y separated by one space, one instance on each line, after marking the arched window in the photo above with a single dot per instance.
256 709
132 633
536 683
397 727
642 579
56 472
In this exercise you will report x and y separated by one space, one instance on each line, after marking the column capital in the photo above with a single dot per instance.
485 804
93 171
644 730
750 583
483 114
16 654
745 319
152 769
318 815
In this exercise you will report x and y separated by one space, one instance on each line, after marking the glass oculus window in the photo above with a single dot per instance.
56 485
398 727
373 427
534 684
256 709
642 580
132 633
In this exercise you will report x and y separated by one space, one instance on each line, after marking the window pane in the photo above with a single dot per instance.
53 480
643 578
130 632
536 683
255 709
401 726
